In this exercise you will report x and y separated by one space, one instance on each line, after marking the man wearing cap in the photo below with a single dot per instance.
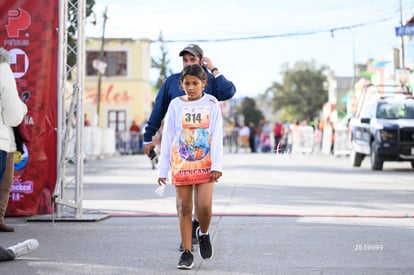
217 85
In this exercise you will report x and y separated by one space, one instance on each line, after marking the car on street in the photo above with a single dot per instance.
384 131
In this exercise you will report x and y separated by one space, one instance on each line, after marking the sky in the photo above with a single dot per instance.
250 41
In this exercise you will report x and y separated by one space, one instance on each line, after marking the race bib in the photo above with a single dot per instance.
195 117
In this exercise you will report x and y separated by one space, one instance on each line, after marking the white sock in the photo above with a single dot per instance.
201 233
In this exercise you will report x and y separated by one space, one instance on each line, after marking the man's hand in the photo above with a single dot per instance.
206 62
148 147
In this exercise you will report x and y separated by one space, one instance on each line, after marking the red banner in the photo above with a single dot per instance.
28 30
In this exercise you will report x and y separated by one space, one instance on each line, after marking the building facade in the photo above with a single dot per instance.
118 80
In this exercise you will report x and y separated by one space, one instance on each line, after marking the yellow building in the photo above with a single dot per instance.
126 93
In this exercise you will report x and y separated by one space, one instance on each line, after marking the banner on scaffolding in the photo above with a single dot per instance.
28 30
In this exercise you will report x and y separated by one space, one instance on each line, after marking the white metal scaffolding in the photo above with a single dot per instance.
68 194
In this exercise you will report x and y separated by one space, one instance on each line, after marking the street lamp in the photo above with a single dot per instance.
402 38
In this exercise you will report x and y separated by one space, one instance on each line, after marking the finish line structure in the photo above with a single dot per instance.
68 193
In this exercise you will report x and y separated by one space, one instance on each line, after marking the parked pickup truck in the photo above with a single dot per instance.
384 130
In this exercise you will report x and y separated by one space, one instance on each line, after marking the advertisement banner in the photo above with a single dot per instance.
28 30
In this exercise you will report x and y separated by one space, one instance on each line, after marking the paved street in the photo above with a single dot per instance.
273 214
260 184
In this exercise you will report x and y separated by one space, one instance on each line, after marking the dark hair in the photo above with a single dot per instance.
194 70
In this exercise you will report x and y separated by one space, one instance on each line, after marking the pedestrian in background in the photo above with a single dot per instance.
232 136
12 112
252 137
278 134
86 121
265 145
288 138
192 146
244 134
235 137
134 135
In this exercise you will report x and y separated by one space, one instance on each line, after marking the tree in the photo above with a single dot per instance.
162 64
301 95
248 109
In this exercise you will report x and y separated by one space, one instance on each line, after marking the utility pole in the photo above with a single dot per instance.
101 54
402 39
353 59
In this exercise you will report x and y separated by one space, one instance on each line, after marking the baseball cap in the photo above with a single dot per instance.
193 49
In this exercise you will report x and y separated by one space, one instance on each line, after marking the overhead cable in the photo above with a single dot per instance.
280 35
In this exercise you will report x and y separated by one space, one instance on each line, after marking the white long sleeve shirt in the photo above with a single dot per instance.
192 141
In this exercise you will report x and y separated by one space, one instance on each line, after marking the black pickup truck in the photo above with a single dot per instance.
384 130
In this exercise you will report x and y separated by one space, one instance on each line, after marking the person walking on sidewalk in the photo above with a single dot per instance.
12 252
217 85
192 146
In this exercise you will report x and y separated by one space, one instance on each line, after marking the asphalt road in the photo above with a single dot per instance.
260 184
273 214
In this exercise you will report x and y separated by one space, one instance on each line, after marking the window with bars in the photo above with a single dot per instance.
116 63
117 120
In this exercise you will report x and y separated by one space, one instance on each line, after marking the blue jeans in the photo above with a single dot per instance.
3 157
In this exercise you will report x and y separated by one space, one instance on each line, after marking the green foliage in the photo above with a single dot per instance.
301 95
162 64
248 109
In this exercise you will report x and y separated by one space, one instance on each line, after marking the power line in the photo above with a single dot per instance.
290 34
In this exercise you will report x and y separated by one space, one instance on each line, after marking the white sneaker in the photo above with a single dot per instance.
25 247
